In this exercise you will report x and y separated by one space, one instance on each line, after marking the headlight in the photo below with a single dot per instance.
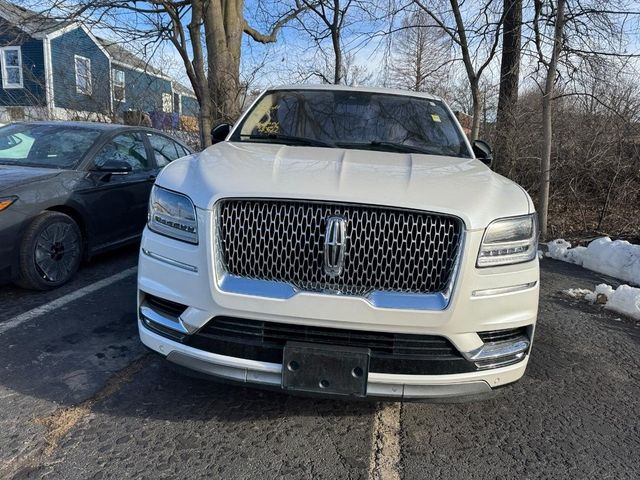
509 240
5 202
172 214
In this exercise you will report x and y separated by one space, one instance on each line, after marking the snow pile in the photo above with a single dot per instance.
618 259
624 299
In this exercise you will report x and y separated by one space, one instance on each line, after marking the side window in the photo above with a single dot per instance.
11 59
127 147
164 149
83 75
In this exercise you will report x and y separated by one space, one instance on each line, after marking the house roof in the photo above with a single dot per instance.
183 89
33 23
121 55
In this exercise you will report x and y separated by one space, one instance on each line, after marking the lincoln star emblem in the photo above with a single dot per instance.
335 244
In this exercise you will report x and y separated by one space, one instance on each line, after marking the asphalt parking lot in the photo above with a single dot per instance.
81 398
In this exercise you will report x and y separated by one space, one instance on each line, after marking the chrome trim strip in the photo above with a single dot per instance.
168 322
374 388
256 288
283 291
170 261
499 291
496 350
408 301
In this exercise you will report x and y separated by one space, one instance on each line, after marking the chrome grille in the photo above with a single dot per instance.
388 249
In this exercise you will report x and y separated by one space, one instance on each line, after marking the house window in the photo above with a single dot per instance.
83 75
118 86
167 102
11 67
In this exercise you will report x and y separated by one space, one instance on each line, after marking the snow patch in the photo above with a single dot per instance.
579 293
624 299
619 259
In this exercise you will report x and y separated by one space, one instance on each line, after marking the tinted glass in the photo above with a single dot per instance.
352 119
164 149
127 147
45 145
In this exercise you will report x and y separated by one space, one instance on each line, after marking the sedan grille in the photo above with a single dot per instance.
386 249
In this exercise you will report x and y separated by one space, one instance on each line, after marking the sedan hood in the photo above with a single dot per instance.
12 176
463 187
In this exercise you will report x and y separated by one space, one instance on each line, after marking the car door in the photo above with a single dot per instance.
117 201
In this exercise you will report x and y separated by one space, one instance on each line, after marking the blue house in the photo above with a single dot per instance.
60 70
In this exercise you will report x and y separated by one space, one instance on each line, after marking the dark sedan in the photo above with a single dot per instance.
69 190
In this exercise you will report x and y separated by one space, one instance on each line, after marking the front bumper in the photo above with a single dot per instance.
379 384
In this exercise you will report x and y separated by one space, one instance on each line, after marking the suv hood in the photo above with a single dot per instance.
463 187
12 176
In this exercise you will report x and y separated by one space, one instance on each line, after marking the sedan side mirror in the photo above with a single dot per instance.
115 166
219 133
482 151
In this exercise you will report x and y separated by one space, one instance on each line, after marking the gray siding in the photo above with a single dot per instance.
63 49
190 106
33 93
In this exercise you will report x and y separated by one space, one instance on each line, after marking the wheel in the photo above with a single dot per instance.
50 252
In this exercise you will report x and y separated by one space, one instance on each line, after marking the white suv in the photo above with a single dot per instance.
344 241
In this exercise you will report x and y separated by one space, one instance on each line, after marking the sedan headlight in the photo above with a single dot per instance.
509 240
5 202
173 214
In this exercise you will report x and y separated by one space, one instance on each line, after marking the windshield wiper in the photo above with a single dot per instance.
393 146
289 139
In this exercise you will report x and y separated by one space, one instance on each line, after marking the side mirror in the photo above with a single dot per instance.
483 152
219 133
114 166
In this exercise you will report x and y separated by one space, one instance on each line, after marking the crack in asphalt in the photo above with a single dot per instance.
58 424
385 455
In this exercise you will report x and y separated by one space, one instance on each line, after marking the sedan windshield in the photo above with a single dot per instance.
353 119
52 146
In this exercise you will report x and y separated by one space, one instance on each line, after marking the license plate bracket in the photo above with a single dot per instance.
326 369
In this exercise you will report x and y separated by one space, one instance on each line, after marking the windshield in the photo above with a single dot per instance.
353 119
52 146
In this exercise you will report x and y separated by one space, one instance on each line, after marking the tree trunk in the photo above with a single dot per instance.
337 72
223 26
477 108
547 132
199 80
509 80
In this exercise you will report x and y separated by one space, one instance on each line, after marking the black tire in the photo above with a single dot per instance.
50 252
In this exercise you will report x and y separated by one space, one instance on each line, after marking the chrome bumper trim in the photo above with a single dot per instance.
499 291
283 291
499 354
150 315
170 261
374 389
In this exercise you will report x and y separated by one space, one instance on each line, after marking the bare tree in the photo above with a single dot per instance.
421 54
571 38
509 77
547 96
477 35
330 16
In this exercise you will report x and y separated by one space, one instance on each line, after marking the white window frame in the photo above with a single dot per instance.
78 88
116 84
5 83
